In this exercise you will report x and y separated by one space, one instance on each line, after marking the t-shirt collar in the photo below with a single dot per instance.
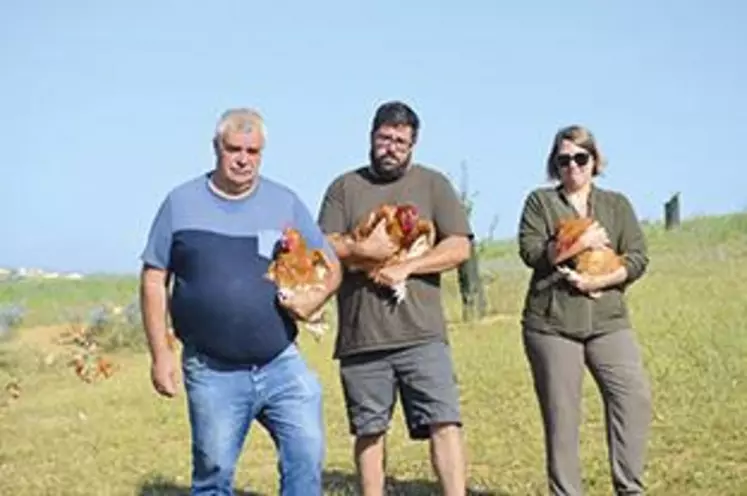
227 196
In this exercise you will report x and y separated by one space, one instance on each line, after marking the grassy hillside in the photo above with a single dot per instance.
63 436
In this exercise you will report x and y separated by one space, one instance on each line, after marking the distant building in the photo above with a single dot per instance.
34 273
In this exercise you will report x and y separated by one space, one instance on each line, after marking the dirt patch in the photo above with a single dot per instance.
46 339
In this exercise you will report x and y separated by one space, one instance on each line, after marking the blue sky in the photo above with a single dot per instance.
108 105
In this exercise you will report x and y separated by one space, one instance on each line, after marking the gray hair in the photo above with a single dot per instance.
243 120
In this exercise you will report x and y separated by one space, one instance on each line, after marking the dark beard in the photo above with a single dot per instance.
387 173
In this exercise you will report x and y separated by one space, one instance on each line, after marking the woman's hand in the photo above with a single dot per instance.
583 282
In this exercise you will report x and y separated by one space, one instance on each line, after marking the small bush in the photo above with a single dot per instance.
107 328
11 317
111 327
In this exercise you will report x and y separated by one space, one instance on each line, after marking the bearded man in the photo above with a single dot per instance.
383 348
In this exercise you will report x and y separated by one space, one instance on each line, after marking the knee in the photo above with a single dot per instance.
560 416
305 452
641 396
439 430
301 464
366 441
213 465
214 449
307 443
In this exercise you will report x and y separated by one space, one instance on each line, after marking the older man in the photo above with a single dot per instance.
381 347
214 237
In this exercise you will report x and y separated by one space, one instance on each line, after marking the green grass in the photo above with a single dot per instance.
55 301
63 436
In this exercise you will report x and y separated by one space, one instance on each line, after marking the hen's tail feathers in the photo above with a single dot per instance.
400 292
316 329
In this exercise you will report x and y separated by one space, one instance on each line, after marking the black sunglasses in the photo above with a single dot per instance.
564 159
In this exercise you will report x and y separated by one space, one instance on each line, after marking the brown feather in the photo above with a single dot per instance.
591 261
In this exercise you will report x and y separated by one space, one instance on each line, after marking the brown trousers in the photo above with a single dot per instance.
614 360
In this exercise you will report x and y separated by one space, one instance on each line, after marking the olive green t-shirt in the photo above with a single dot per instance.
367 318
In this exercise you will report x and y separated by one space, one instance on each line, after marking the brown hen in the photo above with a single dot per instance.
591 261
410 233
403 225
295 268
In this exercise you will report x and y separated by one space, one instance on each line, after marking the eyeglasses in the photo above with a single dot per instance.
399 143
580 159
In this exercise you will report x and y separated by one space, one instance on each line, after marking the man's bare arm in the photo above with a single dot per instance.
449 253
331 283
153 298
304 305
348 251
376 248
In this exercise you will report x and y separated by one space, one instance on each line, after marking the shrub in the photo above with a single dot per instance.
11 317
113 327
107 328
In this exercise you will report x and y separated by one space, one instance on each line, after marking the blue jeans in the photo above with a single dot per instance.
223 400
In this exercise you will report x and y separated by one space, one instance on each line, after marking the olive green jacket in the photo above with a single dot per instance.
551 303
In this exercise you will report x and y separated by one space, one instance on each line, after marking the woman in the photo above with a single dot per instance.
572 320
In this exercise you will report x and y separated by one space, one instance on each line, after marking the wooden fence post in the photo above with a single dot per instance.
672 212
